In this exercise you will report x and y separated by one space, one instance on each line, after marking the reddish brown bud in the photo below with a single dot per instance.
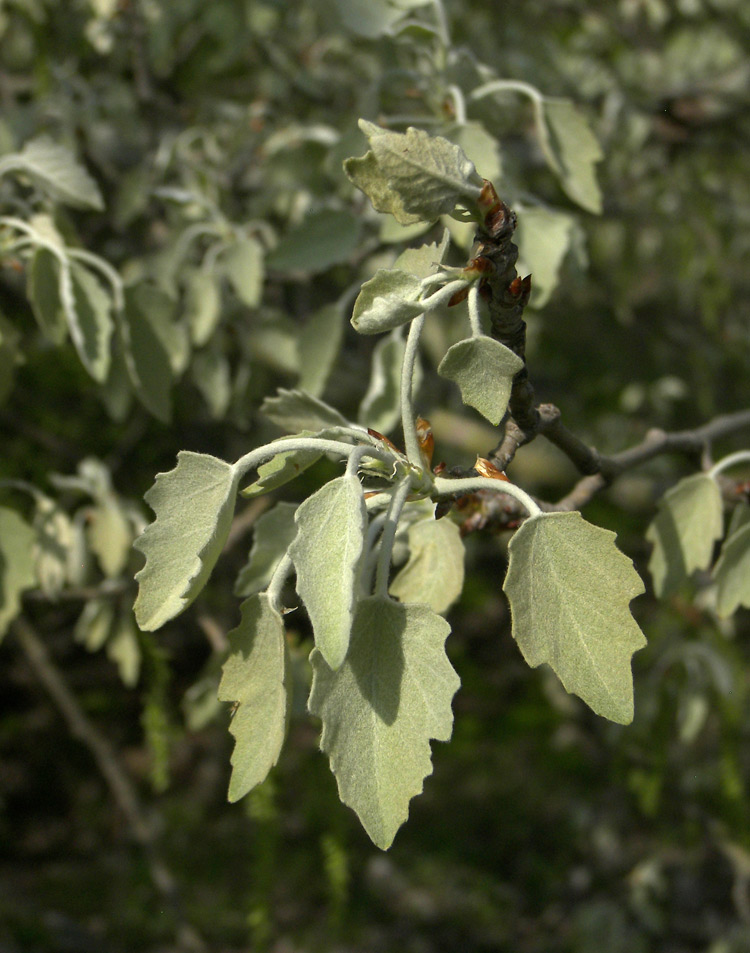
426 440
488 469
385 440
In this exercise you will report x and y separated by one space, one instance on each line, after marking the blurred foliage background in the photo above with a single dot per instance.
215 133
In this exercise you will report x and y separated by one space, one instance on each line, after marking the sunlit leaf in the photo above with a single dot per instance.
110 535
434 573
381 406
414 176
52 544
381 708
244 266
326 552
390 298
124 649
255 678
569 589
194 505
480 147
572 151
688 523
325 237
484 370
272 536
373 18
17 572
425 259
90 322
732 572
202 306
57 172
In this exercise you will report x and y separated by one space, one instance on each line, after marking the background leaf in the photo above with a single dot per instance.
294 411
434 573
323 238
572 151
381 708
56 171
146 356
318 345
90 322
543 239
483 369
194 505
17 572
326 551
732 572
569 588
255 677
244 266
44 295
380 408
272 536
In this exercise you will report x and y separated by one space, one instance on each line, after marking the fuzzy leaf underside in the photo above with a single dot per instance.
483 369
389 299
17 572
414 176
688 523
194 505
381 708
434 573
254 675
381 405
326 552
732 572
272 535
294 411
569 589
424 260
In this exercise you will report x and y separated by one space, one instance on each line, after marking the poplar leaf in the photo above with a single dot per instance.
569 588
294 410
110 535
272 535
57 172
572 151
282 468
323 238
255 677
732 572
372 18
202 306
17 571
318 345
424 260
194 505
484 370
94 624
687 524
414 176
543 239
90 322
44 295
124 649
55 537
390 298
146 355
381 406
326 550
482 148
243 265
381 708
434 573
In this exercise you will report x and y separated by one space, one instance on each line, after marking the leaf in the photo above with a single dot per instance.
372 18
424 260
272 536
55 170
11 355
569 588
293 410
90 322
243 265
255 676
323 238
381 406
484 370
124 649
381 708
414 176
194 505
52 544
94 624
282 468
326 550
543 239
110 535
202 306
572 151
17 571
434 573
212 375
390 298
44 295
687 524
480 147
732 572
146 356
319 343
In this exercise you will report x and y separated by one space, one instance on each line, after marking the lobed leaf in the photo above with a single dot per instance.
687 524
255 677
381 708
414 176
326 551
17 571
194 505
569 588
484 370
434 573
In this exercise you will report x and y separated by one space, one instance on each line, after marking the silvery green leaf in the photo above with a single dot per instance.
572 150
272 535
94 624
17 572
480 147
372 18
110 535
54 538
89 316
380 710
194 505
212 375
44 295
389 299
434 573
687 524
146 356
381 406
202 306
244 266
326 551
124 649
484 370
282 468
543 239
424 260
732 572
569 589
294 410
324 238
318 345
414 176
55 170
